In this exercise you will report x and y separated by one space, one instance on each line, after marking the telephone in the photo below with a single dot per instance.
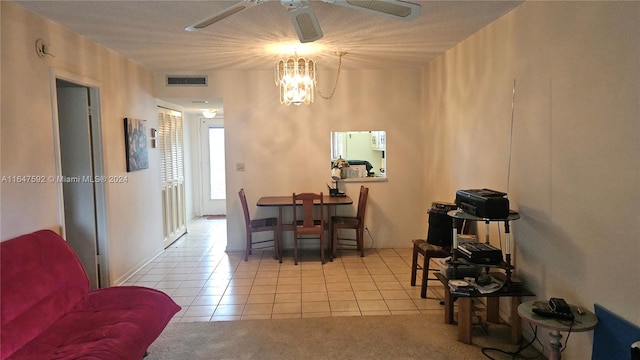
559 305
558 308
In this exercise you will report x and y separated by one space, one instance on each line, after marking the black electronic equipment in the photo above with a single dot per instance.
440 224
553 314
558 308
335 192
484 203
480 253
559 305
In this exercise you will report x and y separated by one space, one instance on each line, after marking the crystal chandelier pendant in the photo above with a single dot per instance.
296 78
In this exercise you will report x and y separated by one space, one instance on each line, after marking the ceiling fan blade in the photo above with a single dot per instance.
304 21
394 8
223 14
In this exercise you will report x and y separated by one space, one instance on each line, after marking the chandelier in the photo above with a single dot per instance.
297 80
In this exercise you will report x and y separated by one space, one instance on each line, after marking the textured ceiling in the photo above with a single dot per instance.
152 32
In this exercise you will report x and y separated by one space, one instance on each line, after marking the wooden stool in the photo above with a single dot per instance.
428 251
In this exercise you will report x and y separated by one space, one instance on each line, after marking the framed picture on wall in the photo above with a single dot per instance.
135 140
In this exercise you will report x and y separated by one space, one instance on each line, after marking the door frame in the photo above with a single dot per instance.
100 189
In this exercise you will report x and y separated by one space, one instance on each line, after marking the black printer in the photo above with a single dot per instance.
484 203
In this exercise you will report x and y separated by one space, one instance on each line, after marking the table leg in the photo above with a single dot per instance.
556 345
280 229
448 306
277 234
280 224
329 231
464 319
493 316
493 310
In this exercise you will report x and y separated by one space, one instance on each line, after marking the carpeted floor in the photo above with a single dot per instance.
353 337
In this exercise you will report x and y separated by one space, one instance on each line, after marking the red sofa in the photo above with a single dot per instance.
48 312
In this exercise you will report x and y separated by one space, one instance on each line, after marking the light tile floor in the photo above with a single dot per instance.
212 285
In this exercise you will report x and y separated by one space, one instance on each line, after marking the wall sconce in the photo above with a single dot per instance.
154 137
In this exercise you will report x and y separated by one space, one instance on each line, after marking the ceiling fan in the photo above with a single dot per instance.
304 19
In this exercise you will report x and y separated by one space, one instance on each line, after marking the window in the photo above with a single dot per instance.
216 164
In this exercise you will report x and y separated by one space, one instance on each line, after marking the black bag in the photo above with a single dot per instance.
440 224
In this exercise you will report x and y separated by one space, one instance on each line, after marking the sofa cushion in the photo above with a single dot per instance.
41 280
113 323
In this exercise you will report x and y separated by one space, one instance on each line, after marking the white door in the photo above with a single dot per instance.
171 145
214 201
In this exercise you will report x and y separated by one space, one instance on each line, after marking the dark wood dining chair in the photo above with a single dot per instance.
350 222
307 227
259 225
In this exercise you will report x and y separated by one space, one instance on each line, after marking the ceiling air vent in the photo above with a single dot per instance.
186 80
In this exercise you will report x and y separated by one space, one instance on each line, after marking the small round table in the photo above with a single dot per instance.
584 321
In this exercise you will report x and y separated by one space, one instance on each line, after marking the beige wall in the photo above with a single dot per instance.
260 133
134 218
287 148
576 144
574 169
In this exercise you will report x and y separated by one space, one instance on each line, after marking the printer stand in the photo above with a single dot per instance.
506 265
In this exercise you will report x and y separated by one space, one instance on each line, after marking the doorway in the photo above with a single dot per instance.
214 198
79 174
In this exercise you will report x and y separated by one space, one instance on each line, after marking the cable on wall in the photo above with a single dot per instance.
335 85
513 105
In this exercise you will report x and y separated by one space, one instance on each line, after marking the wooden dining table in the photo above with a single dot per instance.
287 201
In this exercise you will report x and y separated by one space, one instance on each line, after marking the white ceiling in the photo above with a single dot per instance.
152 32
